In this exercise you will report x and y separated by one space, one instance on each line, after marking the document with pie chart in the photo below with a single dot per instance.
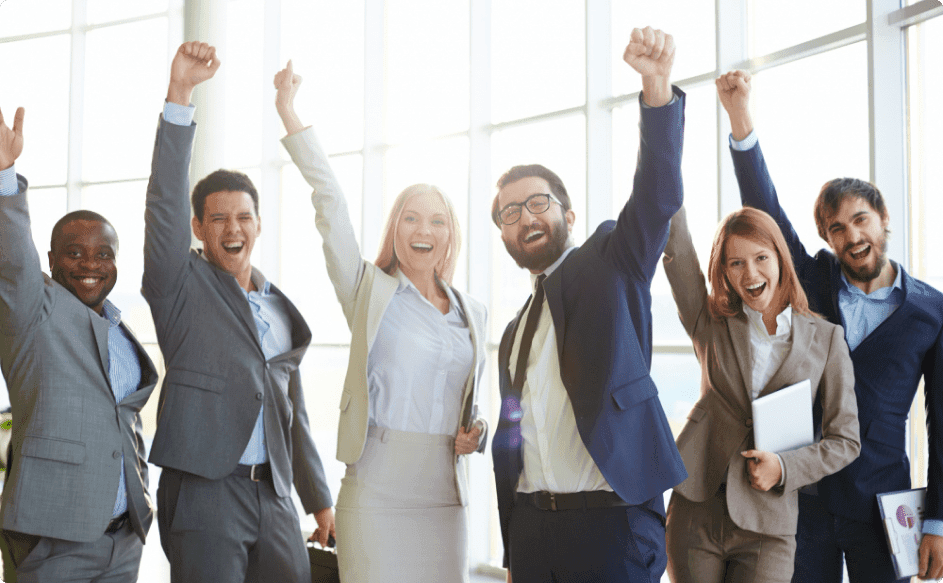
902 513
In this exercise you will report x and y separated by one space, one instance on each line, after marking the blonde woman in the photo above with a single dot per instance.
417 352
734 518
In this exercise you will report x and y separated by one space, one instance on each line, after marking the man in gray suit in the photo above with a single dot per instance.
75 502
232 431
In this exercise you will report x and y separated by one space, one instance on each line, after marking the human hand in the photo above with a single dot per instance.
651 53
931 557
763 468
194 63
286 86
11 140
733 90
467 441
325 529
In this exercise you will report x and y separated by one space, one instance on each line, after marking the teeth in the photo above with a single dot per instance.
860 249
424 246
533 235
754 286
89 280
232 245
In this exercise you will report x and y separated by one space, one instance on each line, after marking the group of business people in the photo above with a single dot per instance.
582 449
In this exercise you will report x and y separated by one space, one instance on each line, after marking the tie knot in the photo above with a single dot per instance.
540 281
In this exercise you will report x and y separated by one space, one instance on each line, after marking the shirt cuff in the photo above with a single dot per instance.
782 467
931 526
674 97
746 143
180 115
8 185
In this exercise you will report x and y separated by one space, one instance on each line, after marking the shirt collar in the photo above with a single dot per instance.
783 320
406 283
111 313
880 293
261 284
553 266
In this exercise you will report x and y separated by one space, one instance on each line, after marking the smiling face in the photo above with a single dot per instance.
535 241
423 234
82 260
857 235
228 230
752 269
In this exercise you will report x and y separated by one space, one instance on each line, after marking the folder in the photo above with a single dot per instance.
782 421
902 515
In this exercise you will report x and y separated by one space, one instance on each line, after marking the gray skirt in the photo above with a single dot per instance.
398 512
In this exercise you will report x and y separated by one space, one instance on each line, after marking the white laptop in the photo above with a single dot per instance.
782 421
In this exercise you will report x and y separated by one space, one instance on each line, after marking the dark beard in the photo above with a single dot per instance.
863 274
544 257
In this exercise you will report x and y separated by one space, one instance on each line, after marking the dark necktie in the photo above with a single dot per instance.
527 338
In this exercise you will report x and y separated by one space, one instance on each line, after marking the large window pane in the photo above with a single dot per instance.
19 17
538 57
46 206
678 378
99 11
39 71
807 139
690 23
245 83
325 40
560 145
124 92
426 71
777 25
303 271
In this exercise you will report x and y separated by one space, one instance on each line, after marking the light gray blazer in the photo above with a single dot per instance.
68 431
364 292
217 376
720 425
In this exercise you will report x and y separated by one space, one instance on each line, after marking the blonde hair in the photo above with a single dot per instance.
387 259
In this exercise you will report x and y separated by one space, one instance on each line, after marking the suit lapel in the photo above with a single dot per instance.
469 398
148 372
803 334
553 288
739 328
235 298
100 328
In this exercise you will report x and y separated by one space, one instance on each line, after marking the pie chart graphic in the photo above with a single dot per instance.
905 516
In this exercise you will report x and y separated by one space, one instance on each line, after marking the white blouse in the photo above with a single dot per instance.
419 364
769 352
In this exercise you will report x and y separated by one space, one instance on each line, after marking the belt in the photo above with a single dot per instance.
574 501
256 473
116 524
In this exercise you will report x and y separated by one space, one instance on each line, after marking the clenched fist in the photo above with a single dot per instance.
651 52
194 63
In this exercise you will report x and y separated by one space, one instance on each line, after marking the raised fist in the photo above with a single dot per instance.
286 86
11 141
733 90
651 52
194 63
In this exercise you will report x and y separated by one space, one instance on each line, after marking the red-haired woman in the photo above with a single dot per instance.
734 518
416 355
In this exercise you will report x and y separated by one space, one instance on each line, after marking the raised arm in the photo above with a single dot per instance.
167 214
345 265
931 547
684 275
642 228
756 185
21 278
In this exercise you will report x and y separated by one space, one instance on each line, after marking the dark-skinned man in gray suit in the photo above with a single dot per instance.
75 502
232 431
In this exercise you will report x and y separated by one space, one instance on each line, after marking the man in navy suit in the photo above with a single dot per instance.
894 329
583 452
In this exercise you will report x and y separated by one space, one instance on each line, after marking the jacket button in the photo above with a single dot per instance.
748 423
116 454
258 396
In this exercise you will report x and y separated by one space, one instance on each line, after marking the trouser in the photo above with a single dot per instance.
590 545
114 558
706 546
231 529
825 541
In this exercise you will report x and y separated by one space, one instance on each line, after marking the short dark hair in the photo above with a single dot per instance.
79 215
526 171
835 191
222 181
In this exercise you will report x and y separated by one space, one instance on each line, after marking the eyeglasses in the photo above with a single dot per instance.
536 203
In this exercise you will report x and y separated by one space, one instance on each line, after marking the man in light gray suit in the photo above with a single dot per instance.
75 502
232 431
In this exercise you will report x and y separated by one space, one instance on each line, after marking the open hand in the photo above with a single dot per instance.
763 469
11 140
194 63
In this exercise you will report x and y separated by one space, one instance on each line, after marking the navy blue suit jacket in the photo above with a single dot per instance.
888 365
600 301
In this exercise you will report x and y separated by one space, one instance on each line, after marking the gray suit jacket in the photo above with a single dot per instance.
217 376
68 432
720 425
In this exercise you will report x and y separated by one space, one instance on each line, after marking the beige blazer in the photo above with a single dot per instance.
720 424
364 292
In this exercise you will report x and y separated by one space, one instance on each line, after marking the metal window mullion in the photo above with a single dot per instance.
76 107
598 116
732 49
269 203
373 124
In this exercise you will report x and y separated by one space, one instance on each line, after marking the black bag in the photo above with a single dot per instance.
323 563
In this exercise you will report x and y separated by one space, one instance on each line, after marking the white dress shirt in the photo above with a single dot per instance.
419 364
555 457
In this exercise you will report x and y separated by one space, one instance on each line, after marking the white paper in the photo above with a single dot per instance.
902 513
782 421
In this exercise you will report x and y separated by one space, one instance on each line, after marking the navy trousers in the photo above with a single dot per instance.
589 545
824 541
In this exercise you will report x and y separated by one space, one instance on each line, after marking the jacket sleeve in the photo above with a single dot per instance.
841 441
21 276
307 468
933 392
685 277
167 211
641 230
345 265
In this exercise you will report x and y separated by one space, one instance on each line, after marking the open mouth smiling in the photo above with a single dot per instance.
756 290
533 236
233 248
860 251
421 247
